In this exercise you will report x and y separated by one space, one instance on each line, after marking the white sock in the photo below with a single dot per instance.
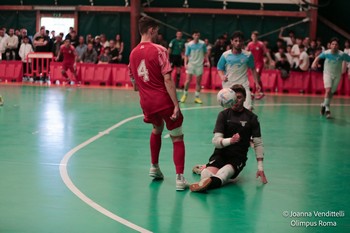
206 173
225 173
185 92
196 94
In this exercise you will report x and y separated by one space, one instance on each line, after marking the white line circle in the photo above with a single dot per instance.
68 182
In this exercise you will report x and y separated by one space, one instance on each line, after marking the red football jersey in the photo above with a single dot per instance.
258 50
148 63
68 54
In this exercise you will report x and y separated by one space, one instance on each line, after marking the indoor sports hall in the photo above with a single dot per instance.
75 158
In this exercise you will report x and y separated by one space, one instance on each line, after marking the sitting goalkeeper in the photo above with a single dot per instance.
233 131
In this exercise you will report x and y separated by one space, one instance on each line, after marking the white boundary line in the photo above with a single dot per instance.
68 182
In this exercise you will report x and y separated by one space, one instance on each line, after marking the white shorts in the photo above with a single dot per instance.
331 81
195 70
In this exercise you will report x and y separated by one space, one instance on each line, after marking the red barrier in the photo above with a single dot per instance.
216 82
317 86
269 80
120 75
346 84
11 71
39 63
297 82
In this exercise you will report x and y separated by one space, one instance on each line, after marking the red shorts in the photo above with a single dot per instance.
259 67
158 118
68 66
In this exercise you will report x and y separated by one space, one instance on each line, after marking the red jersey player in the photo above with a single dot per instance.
258 50
150 72
69 60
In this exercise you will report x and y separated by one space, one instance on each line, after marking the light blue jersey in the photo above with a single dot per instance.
235 67
196 53
333 62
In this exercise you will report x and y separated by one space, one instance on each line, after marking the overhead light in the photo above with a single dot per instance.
224 5
185 4
54 8
126 3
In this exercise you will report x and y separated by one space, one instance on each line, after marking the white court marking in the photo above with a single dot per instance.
68 182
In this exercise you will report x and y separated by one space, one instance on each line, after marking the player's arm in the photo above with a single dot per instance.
220 142
259 153
171 89
315 62
132 79
221 67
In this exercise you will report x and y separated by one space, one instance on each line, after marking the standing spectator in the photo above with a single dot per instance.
209 46
69 35
74 40
2 44
295 52
233 67
89 39
69 60
176 50
90 55
162 41
319 43
332 72
290 39
41 41
56 47
150 73
23 52
119 44
114 53
218 49
81 48
11 45
346 65
196 53
304 62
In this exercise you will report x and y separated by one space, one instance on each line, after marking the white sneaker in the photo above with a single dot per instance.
197 169
181 183
155 172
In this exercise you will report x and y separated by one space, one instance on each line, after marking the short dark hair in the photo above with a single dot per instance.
255 33
146 23
334 39
237 34
238 88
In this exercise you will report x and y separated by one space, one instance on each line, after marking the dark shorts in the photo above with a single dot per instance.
176 60
219 160
158 118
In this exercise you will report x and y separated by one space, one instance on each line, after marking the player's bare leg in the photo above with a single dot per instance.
186 85
197 100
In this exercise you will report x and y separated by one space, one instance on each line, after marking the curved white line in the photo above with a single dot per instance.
68 182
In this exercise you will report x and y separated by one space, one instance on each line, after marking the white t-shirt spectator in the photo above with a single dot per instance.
304 61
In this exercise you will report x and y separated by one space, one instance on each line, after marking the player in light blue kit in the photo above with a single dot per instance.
196 52
332 72
233 66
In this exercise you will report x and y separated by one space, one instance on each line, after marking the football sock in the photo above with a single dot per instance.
179 156
155 145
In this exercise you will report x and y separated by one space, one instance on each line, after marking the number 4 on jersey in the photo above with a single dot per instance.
142 71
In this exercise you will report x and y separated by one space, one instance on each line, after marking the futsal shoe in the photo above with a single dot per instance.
155 172
183 98
328 115
323 110
259 96
197 100
197 169
201 186
181 183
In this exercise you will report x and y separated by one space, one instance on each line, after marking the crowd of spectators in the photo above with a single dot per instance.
16 44
290 52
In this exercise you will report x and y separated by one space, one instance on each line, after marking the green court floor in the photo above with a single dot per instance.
76 160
